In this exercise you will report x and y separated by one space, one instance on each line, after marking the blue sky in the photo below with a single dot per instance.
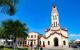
37 15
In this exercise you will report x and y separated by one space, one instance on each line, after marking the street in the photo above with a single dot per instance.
62 49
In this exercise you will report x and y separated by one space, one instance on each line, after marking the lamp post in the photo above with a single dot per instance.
4 43
13 41
38 42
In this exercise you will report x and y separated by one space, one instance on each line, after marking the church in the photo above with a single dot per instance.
55 36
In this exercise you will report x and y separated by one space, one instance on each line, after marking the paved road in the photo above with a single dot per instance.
62 49
76 49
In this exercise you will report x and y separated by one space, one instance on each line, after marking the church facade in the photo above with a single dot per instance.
53 37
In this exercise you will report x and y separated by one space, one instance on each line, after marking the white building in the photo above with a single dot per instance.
2 42
54 37
32 38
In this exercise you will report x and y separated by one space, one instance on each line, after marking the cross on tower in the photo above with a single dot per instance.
55 17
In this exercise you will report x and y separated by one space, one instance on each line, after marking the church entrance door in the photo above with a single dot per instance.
56 41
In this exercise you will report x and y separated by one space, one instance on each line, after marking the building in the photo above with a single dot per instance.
2 41
6 42
55 36
33 39
77 41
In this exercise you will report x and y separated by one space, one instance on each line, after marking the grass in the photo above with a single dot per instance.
7 49
2 48
15 49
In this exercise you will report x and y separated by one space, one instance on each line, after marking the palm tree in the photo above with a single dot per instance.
15 28
10 4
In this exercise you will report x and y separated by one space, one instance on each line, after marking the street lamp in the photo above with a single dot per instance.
13 41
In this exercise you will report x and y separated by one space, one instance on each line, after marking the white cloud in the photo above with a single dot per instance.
76 35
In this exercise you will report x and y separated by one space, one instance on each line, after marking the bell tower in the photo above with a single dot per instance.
55 18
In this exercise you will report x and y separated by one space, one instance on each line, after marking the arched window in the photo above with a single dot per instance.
28 43
54 17
56 24
48 42
64 42
43 43
40 42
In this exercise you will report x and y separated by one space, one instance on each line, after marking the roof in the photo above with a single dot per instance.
33 32
54 9
53 34
54 5
64 29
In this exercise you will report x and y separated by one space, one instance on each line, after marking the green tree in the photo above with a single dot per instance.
71 41
1 32
10 4
15 28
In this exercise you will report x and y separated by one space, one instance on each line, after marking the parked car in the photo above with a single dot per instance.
74 46
78 45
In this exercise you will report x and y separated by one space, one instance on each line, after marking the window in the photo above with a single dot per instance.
18 42
35 36
25 42
40 42
34 42
56 24
64 43
55 17
43 43
31 36
48 42
28 43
